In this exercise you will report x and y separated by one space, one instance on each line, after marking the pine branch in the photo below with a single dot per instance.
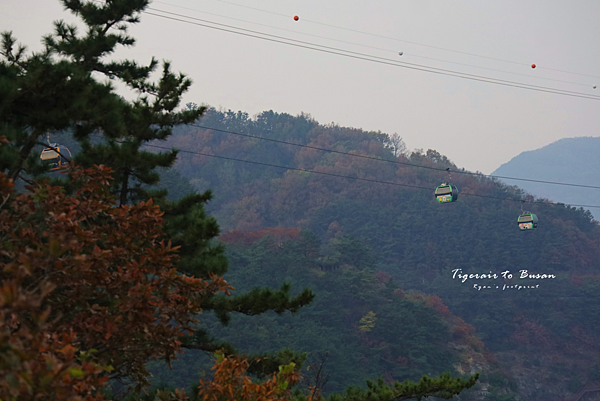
259 301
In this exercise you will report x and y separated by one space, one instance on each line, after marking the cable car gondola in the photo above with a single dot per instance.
57 157
527 221
446 193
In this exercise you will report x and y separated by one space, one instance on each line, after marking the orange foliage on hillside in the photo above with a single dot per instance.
250 237
531 333
436 302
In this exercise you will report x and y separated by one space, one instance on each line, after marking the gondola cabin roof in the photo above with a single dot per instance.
527 217
51 153
527 221
48 154
443 190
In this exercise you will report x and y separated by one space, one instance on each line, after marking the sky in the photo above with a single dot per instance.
477 125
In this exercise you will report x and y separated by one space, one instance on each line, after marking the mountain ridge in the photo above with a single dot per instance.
568 160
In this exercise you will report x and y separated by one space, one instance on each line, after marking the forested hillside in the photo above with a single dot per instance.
543 334
360 325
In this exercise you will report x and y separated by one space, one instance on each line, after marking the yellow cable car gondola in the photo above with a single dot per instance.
57 157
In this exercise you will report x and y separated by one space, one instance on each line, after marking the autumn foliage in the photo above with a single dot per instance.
436 302
232 382
250 237
89 290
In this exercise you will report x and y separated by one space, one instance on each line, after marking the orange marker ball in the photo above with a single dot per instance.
296 18
532 65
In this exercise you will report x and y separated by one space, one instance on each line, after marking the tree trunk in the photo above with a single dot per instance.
13 173
124 189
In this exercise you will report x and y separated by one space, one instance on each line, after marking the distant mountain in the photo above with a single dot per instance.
571 160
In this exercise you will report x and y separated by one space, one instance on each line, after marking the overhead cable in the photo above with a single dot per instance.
378 48
390 161
354 178
407 41
375 59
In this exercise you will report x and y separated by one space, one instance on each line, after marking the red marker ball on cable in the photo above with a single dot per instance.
532 65
296 18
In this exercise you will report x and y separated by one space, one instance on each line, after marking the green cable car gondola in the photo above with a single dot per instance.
527 221
57 157
446 193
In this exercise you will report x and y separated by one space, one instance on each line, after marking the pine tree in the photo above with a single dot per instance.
189 227
444 386
39 94
150 117
55 90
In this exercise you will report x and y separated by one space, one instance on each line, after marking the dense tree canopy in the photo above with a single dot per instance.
416 241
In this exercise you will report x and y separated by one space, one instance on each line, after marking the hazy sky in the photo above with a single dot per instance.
477 125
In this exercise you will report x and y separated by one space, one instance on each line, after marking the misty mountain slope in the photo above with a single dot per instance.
570 160
546 339
360 321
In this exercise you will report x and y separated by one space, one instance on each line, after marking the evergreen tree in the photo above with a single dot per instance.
151 116
55 90
39 94
190 228
444 386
